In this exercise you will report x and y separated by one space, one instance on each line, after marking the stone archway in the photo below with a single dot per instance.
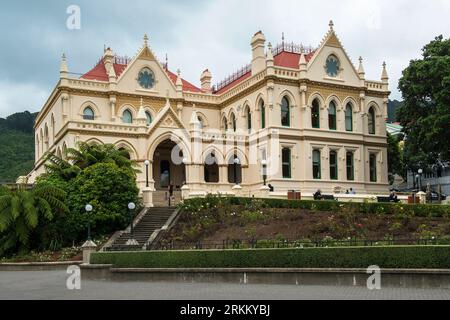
168 166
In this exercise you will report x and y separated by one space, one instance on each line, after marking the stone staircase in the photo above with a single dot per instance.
160 198
150 220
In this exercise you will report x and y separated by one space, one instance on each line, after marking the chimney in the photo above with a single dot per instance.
205 80
258 55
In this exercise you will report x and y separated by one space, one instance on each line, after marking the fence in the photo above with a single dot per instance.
293 243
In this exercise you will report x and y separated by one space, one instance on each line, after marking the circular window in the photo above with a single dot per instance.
332 66
146 78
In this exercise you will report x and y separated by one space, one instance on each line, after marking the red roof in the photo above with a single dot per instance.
234 83
289 60
99 71
187 86
283 59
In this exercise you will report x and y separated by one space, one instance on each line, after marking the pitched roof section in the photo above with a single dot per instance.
187 86
99 72
234 82
284 59
289 59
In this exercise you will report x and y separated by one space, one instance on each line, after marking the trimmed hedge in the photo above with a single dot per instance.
419 210
436 257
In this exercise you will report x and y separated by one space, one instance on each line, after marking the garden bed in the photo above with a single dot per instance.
216 219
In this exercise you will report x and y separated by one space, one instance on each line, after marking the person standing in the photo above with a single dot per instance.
170 188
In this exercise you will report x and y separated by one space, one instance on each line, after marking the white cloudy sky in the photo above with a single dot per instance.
202 34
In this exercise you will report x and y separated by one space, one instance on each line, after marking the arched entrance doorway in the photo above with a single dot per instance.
168 166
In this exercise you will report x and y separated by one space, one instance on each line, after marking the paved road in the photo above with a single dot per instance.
52 285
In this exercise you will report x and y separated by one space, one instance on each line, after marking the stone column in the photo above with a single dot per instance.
147 196
88 247
112 104
65 107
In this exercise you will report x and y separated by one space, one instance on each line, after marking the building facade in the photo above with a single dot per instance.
296 118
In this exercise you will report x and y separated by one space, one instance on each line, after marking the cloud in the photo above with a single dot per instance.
206 34
18 97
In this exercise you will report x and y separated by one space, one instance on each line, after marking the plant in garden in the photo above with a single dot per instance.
23 211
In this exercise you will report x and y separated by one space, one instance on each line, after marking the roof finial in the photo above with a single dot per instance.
63 69
361 68
178 72
331 25
384 75
167 62
145 39
282 38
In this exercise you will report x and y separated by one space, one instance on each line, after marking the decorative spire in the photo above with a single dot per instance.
145 40
63 69
361 68
302 61
384 75
167 62
269 52
194 118
331 25
282 39
179 82
112 74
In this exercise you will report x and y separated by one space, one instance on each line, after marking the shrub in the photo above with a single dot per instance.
437 257
419 210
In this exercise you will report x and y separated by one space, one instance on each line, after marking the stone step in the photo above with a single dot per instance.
153 219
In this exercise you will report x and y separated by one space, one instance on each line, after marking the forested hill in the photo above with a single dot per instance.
392 109
17 145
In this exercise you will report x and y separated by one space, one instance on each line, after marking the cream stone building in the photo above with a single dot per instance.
296 118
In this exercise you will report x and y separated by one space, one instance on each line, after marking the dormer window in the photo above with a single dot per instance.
332 66
146 78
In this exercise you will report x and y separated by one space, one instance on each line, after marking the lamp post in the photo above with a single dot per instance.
235 164
88 209
264 165
131 241
147 163
420 171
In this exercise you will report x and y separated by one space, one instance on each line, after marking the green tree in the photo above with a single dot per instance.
395 165
109 189
98 174
21 211
87 154
425 112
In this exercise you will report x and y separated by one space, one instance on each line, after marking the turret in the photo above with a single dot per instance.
258 54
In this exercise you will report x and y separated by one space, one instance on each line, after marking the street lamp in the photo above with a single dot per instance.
147 163
420 171
131 241
88 209
264 164
236 161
